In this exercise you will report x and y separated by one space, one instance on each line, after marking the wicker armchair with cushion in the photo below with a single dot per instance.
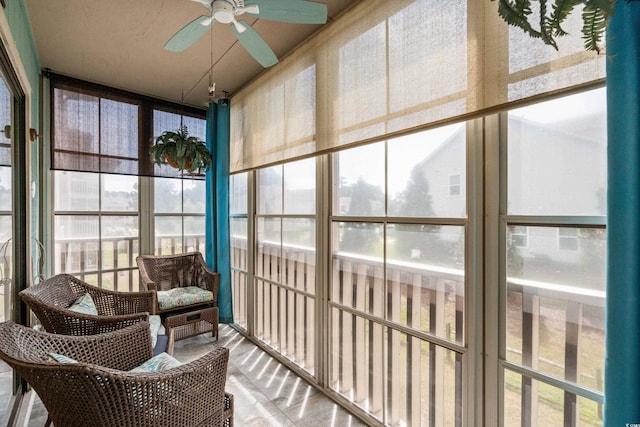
91 383
184 285
54 300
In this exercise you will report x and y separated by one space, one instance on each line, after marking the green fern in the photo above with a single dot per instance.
561 10
595 15
188 152
517 14
595 22
546 30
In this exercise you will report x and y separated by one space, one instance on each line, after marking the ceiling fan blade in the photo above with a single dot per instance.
294 11
255 45
189 34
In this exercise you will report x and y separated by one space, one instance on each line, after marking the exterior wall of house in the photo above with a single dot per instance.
538 149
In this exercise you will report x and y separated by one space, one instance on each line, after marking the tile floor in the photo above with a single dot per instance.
266 393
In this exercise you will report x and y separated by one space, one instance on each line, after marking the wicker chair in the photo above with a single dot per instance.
166 272
51 299
98 390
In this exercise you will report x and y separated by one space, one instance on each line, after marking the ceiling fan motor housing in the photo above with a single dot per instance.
223 11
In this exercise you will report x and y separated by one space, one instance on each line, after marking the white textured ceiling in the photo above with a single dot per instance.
119 43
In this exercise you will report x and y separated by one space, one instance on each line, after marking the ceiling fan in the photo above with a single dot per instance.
226 11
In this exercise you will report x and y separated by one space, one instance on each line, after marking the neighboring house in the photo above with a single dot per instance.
568 169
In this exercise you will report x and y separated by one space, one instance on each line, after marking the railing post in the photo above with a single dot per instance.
432 354
414 368
335 322
289 318
362 375
530 339
439 328
571 360
260 326
310 323
377 339
396 382
459 339
347 360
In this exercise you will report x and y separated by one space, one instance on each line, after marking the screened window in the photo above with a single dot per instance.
395 284
555 289
454 185
96 228
179 216
105 130
568 239
518 236
285 285
100 156
240 239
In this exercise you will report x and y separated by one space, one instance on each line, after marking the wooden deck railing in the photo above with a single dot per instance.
80 256
397 335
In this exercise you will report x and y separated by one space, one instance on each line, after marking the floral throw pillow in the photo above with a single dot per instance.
84 305
60 358
159 363
155 323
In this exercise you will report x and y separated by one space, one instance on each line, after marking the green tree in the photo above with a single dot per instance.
415 200
357 236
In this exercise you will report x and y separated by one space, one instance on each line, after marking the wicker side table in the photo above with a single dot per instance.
192 323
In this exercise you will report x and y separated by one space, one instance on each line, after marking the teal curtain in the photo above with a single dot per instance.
217 213
622 364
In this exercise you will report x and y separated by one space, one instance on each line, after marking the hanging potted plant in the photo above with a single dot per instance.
181 151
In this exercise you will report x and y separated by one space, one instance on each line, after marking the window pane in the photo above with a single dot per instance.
5 189
239 234
425 285
300 187
5 230
238 193
526 398
76 191
555 310
424 382
300 232
269 191
119 193
194 196
357 266
167 195
354 338
194 234
429 245
118 128
168 235
359 181
299 252
544 261
566 138
427 173
77 243
268 247
119 241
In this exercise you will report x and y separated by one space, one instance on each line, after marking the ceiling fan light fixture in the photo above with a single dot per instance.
223 12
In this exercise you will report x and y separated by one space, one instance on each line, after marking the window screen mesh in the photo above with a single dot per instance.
95 129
